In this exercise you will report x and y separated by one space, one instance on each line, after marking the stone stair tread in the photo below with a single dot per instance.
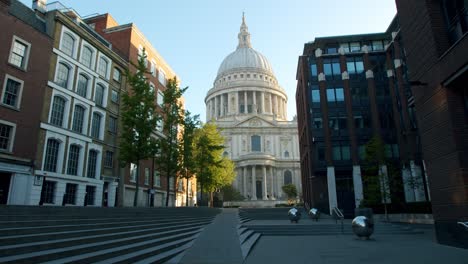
248 245
245 236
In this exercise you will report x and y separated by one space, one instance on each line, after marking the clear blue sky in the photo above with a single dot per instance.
194 36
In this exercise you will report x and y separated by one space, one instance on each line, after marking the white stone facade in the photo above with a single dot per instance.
249 106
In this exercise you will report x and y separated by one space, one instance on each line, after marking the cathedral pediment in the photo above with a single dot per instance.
255 121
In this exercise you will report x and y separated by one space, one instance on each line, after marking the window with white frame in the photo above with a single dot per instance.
156 178
87 56
147 175
62 75
133 172
103 65
109 159
112 124
117 75
12 90
73 159
153 68
58 111
7 135
82 85
78 118
287 177
160 98
92 164
19 53
48 192
96 125
159 125
68 44
255 143
162 77
69 197
151 86
51 155
115 96
99 94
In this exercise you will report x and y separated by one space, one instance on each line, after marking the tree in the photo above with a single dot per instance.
231 194
213 171
138 120
169 151
188 164
290 191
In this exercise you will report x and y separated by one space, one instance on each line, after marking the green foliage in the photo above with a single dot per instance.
290 191
187 147
231 194
214 171
138 120
168 157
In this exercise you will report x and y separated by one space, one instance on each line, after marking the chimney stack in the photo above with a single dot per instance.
40 6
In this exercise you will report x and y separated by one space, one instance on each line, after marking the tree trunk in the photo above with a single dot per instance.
186 196
137 182
168 188
211 199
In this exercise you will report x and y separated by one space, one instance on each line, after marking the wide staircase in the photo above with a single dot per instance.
274 222
98 235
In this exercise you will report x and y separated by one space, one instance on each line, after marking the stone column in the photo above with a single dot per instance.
275 99
235 184
279 182
237 104
271 103
264 194
285 107
244 181
357 183
216 107
221 105
332 199
254 103
254 184
272 184
245 102
263 102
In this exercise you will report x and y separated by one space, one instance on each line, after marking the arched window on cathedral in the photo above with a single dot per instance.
255 143
287 177
286 154
225 154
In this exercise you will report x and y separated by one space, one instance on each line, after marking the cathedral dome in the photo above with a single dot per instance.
245 57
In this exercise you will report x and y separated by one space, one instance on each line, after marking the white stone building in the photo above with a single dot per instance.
249 106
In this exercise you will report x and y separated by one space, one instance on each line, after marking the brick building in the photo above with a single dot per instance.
436 47
129 41
24 53
350 89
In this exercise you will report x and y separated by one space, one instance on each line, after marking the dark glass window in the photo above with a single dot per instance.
58 110
12 92
339 94
377 45
73 158
336 68
327 68
331 49
99 97
313 70
82 86
315 96
63 73
345 47
115 96
48 192
92 163
68 44
5 137
113 124
51 156
96 125
109 160
70 194
331 95
87 56
78 119
255 141
320 152
287 177
341 152
90 195
355 46
456 17
102 69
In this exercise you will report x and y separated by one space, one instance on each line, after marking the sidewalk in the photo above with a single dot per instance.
218 243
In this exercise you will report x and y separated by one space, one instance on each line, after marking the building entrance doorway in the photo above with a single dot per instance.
5 179
259 189
345 194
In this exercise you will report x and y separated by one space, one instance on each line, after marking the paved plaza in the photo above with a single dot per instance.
205 236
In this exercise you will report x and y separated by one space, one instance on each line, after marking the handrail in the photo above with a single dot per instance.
338 215
465 224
